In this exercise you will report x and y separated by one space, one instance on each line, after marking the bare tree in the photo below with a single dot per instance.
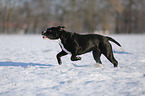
31 16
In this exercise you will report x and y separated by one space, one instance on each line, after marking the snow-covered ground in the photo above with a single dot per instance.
28 67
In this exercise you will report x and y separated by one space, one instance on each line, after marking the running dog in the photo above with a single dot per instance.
77 44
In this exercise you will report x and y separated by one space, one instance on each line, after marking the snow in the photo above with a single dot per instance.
28 67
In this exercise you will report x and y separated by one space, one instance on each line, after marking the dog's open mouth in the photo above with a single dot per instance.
45 37
48 37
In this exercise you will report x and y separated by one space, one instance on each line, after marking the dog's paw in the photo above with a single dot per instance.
60 62
78 58
75 59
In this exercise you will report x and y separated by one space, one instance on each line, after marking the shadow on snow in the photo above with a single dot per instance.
22 64
122 52
80 65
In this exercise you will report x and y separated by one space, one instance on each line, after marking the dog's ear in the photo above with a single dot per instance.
60 28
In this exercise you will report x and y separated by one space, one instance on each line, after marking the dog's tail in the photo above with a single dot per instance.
111 39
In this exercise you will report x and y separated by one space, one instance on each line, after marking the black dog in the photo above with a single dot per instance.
77 44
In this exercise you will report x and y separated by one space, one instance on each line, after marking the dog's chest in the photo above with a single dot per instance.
62 46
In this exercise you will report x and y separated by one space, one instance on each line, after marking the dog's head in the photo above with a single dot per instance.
52 32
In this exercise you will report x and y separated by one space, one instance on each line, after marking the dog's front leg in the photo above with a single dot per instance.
62 53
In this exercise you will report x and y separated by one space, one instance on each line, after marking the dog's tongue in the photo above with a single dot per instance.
45 37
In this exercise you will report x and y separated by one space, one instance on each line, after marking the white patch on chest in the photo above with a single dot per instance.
62 47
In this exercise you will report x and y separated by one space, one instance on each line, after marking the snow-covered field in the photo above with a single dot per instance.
28 67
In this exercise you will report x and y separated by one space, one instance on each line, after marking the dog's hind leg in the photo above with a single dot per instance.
96 55
107 51
62 53
111 58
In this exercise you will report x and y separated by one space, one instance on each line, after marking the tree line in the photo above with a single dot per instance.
31 16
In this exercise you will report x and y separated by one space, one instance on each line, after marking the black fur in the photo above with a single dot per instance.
78 44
